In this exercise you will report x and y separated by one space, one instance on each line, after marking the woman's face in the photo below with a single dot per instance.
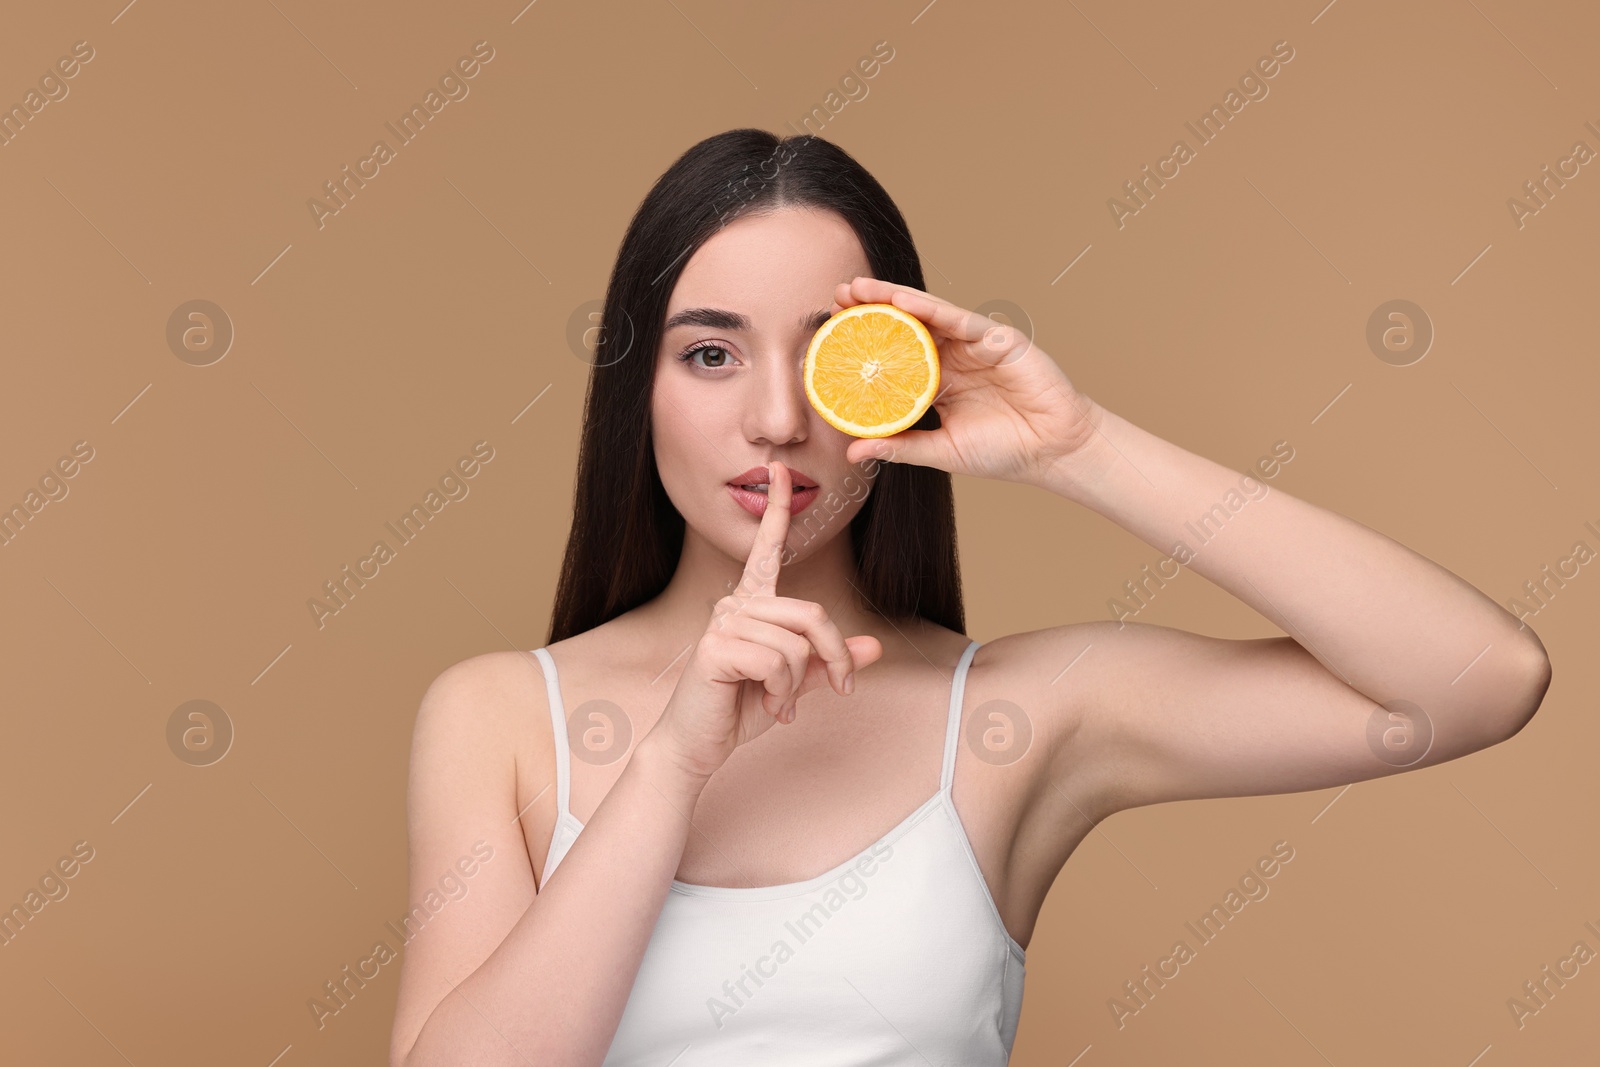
753 295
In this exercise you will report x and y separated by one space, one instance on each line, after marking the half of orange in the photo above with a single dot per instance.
872 370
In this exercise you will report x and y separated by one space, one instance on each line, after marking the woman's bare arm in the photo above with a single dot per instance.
505 975
1381 618
1392 662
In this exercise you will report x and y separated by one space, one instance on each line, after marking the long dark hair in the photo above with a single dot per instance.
626 536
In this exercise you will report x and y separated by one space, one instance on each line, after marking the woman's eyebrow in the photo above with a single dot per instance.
721 319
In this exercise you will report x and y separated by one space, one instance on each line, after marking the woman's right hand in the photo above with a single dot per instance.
759 655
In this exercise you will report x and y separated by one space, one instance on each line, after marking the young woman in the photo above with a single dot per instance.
802 818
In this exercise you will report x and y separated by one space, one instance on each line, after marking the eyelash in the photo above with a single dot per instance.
688 354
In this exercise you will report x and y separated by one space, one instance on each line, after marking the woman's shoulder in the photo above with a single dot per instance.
506 692
487 695
512 676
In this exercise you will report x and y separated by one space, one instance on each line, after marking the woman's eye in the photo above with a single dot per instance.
716 356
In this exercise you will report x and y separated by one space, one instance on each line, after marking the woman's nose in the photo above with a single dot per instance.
779 412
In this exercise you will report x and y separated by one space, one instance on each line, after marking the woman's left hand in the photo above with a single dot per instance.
1005 409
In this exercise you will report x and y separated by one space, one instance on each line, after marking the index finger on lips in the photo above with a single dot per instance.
766 555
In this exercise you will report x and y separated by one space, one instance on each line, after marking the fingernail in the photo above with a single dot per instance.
850 683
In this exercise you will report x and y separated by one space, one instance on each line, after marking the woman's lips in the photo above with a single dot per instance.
756 503
759 476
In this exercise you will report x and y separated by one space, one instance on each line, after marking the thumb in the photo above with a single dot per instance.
903 447
864 651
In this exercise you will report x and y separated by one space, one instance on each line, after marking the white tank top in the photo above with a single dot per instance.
897 956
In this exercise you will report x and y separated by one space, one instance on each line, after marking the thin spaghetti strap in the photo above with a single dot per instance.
558 730
952 729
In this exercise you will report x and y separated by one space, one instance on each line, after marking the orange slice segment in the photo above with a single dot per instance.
872 370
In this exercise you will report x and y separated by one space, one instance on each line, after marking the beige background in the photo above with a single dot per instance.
370 354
